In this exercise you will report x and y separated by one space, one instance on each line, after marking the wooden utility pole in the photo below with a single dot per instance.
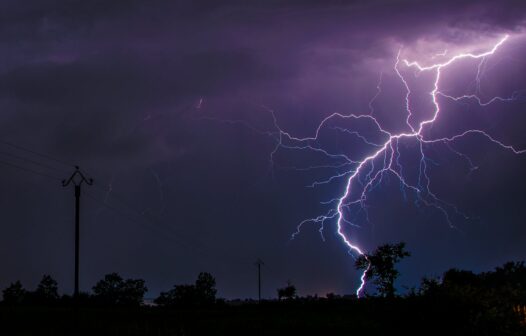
259 263
77 178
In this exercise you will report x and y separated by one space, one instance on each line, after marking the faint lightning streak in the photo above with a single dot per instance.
378 92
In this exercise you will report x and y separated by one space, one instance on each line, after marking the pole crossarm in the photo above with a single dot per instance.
77 182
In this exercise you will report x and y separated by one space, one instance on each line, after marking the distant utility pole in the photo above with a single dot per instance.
259 263
77 178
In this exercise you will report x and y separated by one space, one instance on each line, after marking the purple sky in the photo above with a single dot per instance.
140 95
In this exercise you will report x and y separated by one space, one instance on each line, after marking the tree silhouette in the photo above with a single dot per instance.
14 294
47 290
114 290
380 266
288 292
205 287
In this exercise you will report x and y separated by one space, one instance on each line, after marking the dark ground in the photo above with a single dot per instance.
371 316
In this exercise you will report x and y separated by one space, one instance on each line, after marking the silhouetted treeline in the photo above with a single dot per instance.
111 290
457 303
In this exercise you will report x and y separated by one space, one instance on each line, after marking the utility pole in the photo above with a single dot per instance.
259 263
77 178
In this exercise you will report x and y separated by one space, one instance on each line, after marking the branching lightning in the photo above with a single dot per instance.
361 175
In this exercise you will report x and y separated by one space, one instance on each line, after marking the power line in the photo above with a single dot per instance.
30 161
29 170
10 144
155 222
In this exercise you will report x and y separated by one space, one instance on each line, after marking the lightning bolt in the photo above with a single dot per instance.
364 174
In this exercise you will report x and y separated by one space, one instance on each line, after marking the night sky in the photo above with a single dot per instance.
169 106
